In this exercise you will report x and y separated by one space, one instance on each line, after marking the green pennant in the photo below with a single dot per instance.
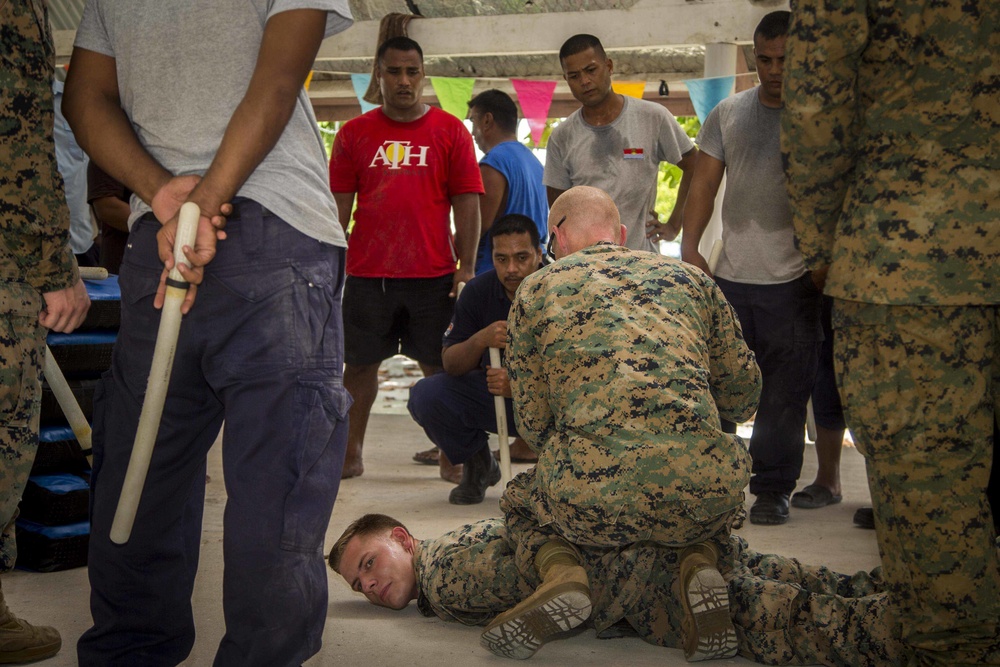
453 94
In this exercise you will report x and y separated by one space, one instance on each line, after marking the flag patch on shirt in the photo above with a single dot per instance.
632 153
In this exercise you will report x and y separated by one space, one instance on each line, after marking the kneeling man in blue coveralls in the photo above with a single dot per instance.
456 408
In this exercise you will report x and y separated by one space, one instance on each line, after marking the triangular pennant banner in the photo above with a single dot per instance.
360 83
707 93
453 94
535 98
630 88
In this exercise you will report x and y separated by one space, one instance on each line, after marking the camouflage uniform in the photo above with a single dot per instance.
784 612
892 146
34 242
469 575
621 363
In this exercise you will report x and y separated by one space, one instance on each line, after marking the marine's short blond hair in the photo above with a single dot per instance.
369 524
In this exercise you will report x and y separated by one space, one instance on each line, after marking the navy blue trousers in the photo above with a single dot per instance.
263 349
457 413
782 325
827 409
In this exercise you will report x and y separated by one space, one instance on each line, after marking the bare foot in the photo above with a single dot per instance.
449 471
354 468
519 452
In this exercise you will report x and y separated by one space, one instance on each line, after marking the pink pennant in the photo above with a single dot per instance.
535 98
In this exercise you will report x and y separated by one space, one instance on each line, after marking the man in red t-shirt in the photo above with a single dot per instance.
410 166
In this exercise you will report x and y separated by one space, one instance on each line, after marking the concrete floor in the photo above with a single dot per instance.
360 634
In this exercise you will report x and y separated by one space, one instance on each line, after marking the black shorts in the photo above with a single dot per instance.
388 316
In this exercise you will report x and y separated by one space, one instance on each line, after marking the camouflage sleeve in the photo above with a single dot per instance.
529 388
820 124
469 575
34 217
735 377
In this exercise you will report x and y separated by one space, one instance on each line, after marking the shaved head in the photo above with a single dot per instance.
588 216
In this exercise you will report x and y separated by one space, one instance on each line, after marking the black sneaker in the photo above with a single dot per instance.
770 509
478 474
865 518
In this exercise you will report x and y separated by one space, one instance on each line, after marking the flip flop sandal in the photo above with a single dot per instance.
813 497
429 457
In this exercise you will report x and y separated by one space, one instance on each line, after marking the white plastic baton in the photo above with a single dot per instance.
501 410
67 401
159 379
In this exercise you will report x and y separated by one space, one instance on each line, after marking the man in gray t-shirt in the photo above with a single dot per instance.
203 101
616 143
760 271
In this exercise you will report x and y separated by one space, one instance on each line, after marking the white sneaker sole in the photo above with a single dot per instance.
520 637
708 603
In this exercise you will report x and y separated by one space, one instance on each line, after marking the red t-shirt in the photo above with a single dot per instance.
404 175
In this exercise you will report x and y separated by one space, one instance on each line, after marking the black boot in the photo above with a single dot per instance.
479 473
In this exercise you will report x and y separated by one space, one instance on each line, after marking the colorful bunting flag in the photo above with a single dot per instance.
535 98
453 94
630 88
360 83
707 93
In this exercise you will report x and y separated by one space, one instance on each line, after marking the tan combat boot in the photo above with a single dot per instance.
708 632
561 603
20 641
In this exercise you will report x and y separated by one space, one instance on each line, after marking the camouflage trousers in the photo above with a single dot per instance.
619 575
921 392
22 341
785 612
636 507
33 221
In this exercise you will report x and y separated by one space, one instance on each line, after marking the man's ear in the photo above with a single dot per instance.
611 66
623 234
560 241
403 537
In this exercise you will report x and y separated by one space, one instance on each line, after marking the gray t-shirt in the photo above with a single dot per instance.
184 66
757 236
621 158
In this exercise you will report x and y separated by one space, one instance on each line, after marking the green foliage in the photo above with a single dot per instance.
549 126
669 178
328 130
